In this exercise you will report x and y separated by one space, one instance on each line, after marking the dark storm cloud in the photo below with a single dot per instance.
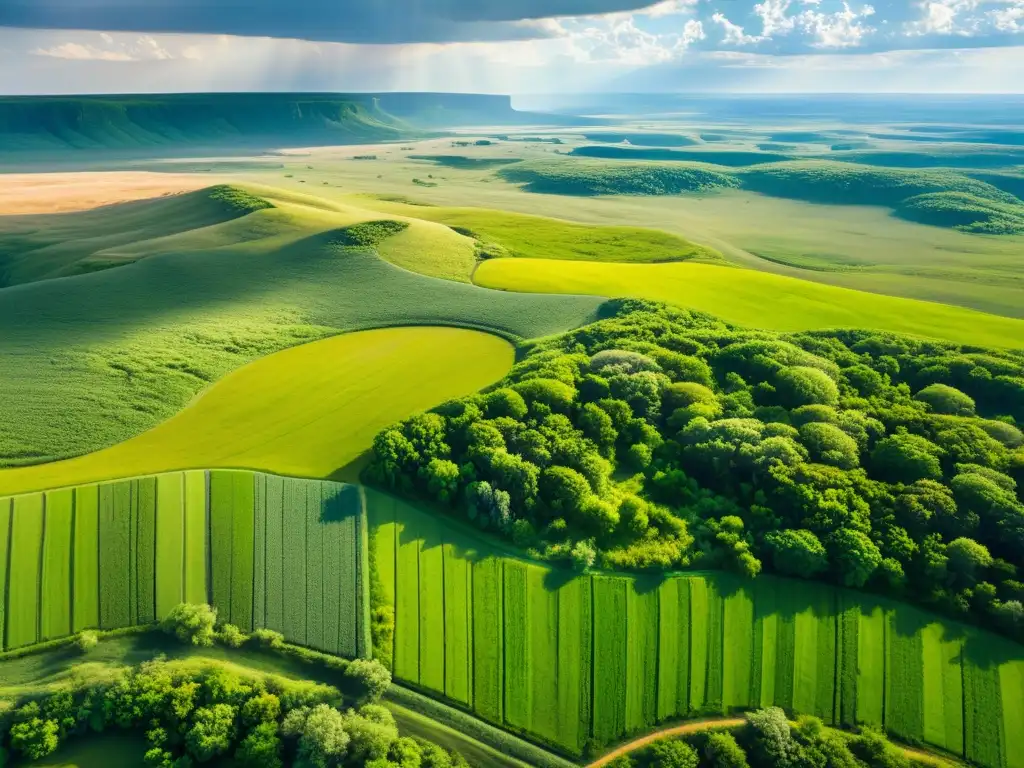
369 21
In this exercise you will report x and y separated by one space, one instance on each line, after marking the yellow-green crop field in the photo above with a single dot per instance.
307 411
754 299
567 658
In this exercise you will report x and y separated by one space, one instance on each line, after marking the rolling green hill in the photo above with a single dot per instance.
46 246
89 361
755 299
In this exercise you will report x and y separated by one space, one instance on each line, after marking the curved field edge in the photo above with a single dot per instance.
307 411
755 299
506 640
920 756
415 716
575 660
94 360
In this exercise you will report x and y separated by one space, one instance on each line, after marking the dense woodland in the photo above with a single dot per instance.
661 439
201 710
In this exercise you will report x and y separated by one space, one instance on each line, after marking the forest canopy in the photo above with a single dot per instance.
662 439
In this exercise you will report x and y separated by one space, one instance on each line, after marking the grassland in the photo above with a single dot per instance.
95 360
307 411
567 658
855 246
501 234
755 299
43 246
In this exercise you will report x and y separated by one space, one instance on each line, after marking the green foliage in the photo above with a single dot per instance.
945 399
369 234
236 200
964 211
803 452
722 751
191 624
590 177
212 731
231 636
86 640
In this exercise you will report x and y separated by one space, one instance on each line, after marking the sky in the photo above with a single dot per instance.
512 46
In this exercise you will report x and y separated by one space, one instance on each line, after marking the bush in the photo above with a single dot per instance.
673 753
231 636
722 751
35 738
268 638
372 676
946 400
86 640
191 624
801 385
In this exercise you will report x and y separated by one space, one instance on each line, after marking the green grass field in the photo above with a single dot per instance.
261 416
95 360
755 299
565 658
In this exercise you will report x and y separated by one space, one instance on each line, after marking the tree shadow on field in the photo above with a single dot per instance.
340 504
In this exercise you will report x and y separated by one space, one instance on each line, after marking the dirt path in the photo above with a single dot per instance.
921 755
678 730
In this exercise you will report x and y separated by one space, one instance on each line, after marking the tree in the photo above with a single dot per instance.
673 753
633 514
772 739
796 552
262 708
393 456
906 458
231 636
405 753
261 748
801 385
35 738
597 425
946 400
212 731
505 402
564 491
830 445
373 731
583 555
372 676
683 394
855 556
321 735
967 559
554 394
722 751
192 624
442 477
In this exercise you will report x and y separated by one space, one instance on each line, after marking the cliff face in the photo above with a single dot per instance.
126 122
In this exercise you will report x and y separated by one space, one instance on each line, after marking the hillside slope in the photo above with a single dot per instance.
41 247
141 122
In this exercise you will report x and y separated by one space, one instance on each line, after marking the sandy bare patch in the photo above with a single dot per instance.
23 193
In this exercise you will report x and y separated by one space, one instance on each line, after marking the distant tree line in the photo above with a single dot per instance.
661 439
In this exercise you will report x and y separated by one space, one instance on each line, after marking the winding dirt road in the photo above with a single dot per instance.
923 756
678 730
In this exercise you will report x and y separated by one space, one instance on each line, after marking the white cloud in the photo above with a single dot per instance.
773 17
1009 19
79 52
693 31
669 8
842 29
944 17
145 48
733 33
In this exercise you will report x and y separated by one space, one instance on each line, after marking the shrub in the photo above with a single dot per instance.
947 400
86 640
372 676
268 638
35 738
231 636
673 753
801 385
830 445
583 555
797 552
191 624
722 751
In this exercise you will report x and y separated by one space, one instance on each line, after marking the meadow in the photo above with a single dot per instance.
259 416
755 299
100 358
